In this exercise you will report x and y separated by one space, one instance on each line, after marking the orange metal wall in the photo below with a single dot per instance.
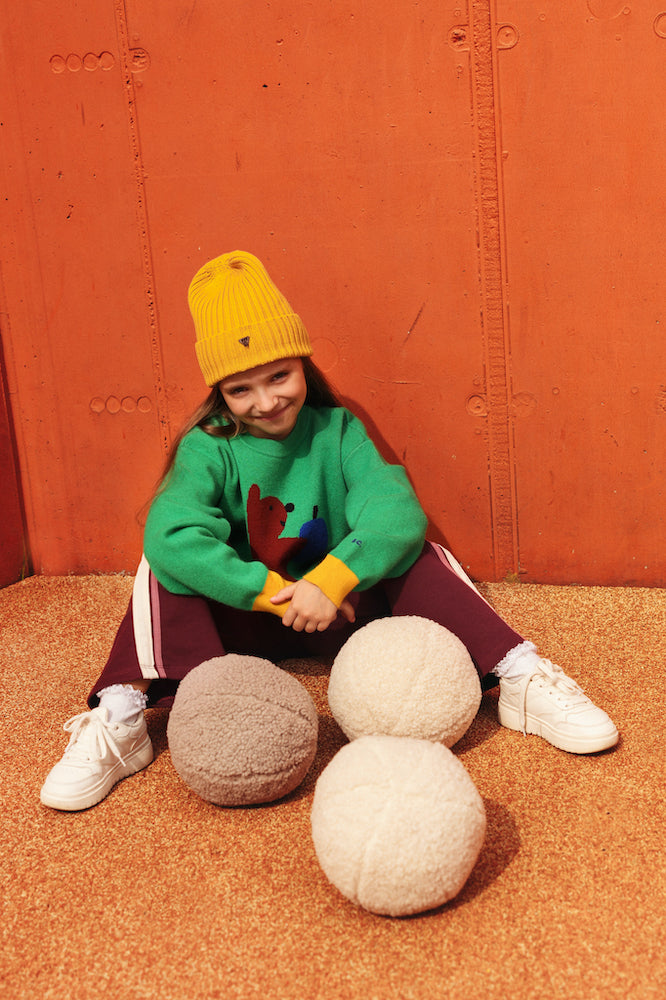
464 201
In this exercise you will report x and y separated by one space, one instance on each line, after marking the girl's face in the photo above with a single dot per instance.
267 399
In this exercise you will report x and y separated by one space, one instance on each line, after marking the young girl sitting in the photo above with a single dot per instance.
277 531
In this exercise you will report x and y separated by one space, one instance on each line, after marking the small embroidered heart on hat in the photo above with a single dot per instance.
245 341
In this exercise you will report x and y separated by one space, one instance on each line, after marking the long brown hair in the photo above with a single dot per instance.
215 419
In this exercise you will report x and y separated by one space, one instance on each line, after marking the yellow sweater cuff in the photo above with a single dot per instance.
333 578
273 585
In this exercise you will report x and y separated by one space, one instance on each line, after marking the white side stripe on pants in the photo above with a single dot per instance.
143 621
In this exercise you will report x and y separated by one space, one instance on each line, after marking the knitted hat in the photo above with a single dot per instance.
241 319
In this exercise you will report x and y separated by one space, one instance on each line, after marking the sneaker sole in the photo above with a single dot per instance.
135 761
535 727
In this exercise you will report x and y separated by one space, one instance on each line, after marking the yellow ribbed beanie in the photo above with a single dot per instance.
241 319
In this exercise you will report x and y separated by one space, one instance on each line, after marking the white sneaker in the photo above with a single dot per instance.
98 755
550 704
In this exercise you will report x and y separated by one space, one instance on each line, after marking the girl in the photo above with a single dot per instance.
276 532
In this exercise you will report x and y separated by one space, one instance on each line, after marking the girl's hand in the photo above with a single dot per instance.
309 610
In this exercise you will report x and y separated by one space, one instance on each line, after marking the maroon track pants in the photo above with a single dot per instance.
163 635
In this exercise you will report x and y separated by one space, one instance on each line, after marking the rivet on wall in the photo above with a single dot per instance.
128 404
507 36
90 62
458 37
477 406
139 62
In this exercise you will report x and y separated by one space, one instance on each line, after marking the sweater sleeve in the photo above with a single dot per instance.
186 539
387 523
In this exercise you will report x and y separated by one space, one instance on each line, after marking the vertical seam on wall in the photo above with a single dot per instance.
494 318
161 405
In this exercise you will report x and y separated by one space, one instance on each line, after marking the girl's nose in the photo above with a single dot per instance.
266 400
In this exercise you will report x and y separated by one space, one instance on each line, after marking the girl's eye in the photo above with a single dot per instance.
279 376
237 390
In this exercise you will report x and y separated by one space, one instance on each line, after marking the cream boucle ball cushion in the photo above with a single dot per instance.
404 676
242 731
397 824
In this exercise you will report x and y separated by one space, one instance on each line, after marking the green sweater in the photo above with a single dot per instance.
239 518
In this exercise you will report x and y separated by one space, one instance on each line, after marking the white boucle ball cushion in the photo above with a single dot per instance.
397 824
242 731
404 676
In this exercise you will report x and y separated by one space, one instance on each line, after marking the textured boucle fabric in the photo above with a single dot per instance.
404 676
397 824
242 731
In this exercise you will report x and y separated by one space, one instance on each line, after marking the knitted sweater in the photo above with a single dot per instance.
238 518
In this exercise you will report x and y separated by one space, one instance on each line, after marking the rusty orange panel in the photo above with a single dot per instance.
334 141
474 246
583 146
83 360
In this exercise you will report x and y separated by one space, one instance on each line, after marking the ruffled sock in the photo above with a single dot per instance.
122 702
518 662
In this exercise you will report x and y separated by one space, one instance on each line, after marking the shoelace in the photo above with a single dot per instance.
101 737
556 677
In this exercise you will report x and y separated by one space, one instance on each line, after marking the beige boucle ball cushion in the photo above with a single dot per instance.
242 731
404 676
397 824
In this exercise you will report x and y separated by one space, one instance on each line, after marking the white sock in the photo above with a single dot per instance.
122 702
520 660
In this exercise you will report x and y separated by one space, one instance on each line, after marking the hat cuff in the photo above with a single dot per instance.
259 344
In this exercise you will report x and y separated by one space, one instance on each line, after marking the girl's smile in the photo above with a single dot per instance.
267 399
